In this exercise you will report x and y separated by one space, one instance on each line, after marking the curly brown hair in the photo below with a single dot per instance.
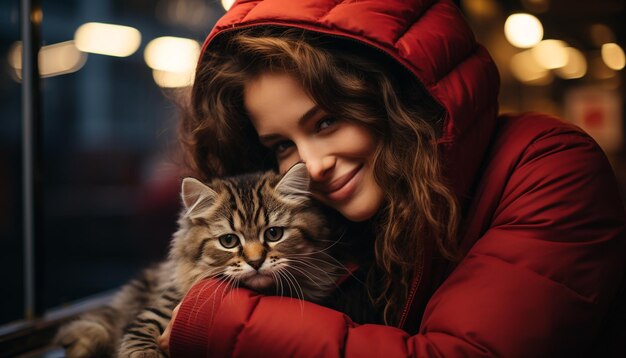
359 85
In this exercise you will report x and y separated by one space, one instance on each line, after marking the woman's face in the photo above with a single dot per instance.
337 153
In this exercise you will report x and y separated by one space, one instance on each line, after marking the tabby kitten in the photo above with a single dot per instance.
260 230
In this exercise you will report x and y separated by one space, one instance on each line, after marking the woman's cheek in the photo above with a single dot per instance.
285 163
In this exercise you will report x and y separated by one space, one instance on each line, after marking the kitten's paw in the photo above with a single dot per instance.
144 353
148 354
140 347
83 339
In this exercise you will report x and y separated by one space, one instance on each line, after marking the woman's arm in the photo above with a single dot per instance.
538 283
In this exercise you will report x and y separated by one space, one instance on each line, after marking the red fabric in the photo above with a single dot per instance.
543 231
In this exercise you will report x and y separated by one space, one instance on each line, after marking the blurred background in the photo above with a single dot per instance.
112 67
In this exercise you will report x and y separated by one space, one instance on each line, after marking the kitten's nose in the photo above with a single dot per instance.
256 264
254 254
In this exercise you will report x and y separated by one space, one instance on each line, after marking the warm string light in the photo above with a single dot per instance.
107 39
523 30
173 60
551 54
576 66
526 69
53 60
613 56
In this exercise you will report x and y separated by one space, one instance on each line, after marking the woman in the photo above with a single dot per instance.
494 236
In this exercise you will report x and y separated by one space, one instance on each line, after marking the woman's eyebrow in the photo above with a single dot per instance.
309 114
267 138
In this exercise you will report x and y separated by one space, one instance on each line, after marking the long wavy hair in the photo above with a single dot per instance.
359 85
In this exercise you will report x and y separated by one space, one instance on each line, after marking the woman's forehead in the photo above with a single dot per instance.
274 101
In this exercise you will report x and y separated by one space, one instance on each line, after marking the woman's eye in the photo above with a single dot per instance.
281 146
229 241
273 234
325 123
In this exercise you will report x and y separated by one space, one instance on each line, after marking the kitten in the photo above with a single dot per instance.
262 231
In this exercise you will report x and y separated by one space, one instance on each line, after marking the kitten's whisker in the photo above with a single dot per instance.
334 242
275 282
349 272
298 286
292 282
306 275
212 298
312 265
202 277
282 275
339 266
312 278
278 283
209 275
198 295
233 282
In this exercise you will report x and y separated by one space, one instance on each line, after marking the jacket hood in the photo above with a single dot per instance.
429 38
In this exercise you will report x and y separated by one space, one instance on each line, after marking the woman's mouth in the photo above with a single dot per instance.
343 187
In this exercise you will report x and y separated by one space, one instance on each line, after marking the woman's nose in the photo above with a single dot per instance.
320 168
318 163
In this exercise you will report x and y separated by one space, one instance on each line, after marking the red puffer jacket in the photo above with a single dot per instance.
542 232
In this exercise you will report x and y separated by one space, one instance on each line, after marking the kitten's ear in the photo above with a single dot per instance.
295 183
196 195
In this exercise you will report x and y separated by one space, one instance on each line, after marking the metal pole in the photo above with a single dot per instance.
31 16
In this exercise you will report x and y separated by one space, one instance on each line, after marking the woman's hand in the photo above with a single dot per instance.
164 339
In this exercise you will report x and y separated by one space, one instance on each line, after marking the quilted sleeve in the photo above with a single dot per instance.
217 321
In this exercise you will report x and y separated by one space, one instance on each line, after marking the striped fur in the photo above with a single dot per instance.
280 230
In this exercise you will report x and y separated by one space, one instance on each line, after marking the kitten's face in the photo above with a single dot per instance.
256 255
258 231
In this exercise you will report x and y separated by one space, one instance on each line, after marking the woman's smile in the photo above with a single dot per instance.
343 187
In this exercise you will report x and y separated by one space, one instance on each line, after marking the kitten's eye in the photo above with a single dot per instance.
273 234
229 241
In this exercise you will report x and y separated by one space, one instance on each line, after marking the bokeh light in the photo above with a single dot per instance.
523 30
54 60
551 54
107 39
526 69
613 56
576 66
173 54
173 60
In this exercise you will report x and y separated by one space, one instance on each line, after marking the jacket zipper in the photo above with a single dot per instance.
416 283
